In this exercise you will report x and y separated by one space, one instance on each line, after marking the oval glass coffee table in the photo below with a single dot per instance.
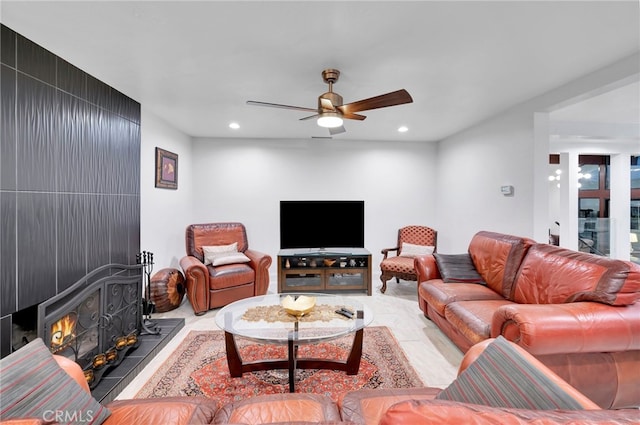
262 319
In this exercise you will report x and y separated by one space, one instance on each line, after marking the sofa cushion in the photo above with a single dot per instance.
398 264
34 385
178 410
223 254
413 250
497 258
439 294
501 377
275 408
230 275
223 258
472 319
457 268
554 275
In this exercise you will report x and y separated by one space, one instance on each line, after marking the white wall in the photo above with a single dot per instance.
472 166
164 212
506 150
244 180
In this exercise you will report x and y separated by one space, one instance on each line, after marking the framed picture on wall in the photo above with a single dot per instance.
166 169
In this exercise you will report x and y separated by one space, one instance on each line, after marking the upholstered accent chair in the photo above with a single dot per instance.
412 241
219 267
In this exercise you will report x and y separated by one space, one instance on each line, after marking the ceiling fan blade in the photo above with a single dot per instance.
277 105
337 130
310 117
354 117
326 104
390 99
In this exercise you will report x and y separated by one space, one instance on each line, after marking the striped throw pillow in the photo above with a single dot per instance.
501 377
33 385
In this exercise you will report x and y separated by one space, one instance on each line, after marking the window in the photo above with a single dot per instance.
593 191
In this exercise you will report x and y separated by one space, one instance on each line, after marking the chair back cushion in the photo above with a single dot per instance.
214 234
417 235
497 258
554 275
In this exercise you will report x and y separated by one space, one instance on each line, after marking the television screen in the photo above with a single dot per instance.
321 224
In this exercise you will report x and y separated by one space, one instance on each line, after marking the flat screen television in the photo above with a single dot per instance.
321 224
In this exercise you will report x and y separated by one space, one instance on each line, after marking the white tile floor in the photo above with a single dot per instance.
430 352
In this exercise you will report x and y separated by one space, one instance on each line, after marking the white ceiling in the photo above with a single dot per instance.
196 63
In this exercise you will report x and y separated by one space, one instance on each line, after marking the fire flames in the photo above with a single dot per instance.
63 331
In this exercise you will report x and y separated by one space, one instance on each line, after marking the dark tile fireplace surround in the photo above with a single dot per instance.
69 192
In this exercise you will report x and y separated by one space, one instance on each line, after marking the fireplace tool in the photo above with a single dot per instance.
149 327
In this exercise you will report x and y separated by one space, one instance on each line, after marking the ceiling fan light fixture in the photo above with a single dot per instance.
329 120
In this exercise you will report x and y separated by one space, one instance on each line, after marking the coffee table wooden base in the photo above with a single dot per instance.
237 367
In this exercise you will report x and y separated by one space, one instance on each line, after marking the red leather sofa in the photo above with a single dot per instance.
577 313
374 406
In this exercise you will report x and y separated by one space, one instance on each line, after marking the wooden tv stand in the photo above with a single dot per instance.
326 270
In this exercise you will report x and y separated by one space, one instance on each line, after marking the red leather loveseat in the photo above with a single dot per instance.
68 398
577 313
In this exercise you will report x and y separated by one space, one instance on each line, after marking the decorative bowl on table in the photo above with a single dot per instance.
299 306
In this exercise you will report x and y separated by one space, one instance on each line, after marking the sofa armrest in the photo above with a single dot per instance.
476 351
582 327
426 268
451 412
74 370
196 282
260 263
366 406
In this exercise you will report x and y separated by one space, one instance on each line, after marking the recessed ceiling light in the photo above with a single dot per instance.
234 125
403 129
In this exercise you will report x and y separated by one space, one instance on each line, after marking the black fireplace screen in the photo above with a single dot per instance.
97 320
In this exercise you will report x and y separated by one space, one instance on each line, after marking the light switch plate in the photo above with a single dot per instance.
506 190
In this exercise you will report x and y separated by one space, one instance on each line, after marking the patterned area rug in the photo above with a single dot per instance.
198 367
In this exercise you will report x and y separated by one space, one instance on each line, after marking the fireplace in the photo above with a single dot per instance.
97 320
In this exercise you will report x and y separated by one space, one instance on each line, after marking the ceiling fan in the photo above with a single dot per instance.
331 111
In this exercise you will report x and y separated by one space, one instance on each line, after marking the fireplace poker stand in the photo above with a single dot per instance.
149 327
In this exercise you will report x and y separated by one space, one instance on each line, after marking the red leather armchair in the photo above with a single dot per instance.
210 286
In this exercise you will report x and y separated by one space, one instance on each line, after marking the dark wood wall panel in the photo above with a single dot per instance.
71 79
5 329
8 240
72 241
37 113
35 61
119 231
131 160
99 232
36 250
7 46
69 174
7 128
71 155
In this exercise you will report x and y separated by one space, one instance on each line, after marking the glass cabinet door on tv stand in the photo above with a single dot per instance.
331 270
